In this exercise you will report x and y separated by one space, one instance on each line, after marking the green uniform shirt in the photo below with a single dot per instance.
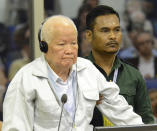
132 87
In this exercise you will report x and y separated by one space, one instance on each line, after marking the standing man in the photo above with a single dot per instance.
104 34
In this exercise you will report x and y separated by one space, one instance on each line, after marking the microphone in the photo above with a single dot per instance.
63 100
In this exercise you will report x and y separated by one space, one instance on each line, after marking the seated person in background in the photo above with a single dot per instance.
33 99
21 37
92 3
138 22
3 85
105 36
146 62
153 98
84 44
80 22
4 46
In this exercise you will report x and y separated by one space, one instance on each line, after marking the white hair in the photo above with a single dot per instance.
46 31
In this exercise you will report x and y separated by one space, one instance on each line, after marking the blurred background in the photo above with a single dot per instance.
20 21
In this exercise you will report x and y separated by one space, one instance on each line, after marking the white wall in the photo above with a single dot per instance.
2 10
118 5
70 7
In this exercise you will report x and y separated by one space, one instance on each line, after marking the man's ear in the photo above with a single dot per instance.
89 35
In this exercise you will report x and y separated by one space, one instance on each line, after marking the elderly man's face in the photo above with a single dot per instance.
62 51
144 44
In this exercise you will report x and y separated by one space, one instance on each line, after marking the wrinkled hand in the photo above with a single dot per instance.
101 97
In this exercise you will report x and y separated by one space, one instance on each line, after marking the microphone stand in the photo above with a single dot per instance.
63 100
60 117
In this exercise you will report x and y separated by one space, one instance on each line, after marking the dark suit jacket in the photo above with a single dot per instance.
135 62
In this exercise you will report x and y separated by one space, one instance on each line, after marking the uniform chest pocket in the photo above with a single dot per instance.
91 95
129 95
90 98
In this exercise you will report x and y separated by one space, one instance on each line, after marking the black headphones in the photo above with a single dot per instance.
42 44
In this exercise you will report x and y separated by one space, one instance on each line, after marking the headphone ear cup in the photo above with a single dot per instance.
43 46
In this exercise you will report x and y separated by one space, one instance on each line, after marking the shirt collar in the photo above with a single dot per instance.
56 77
117 63
40 67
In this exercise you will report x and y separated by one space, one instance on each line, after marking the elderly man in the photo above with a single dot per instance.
33 100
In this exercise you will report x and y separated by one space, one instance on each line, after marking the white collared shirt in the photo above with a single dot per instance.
146 67
64 87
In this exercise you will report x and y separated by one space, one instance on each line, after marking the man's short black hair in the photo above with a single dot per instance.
99 11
